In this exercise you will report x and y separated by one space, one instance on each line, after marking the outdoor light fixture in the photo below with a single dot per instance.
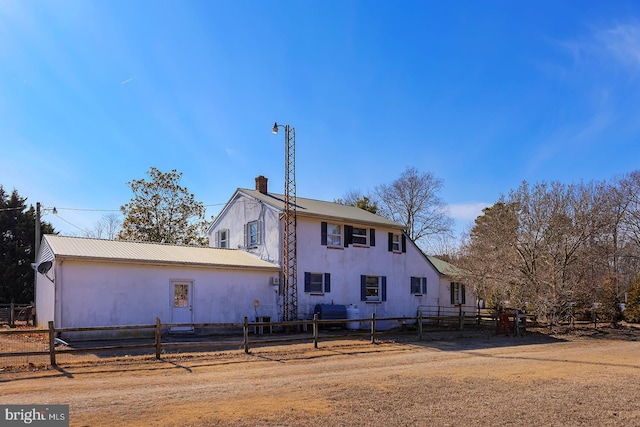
275 128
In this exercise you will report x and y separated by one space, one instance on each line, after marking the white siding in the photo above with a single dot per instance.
107 294
347 264
237 214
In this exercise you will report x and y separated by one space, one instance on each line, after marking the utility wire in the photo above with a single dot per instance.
73 225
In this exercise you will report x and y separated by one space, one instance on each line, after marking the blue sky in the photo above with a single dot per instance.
482 94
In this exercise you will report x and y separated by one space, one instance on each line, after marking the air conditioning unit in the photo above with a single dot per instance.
275 281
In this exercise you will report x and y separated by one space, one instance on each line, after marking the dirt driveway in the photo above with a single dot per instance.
473 380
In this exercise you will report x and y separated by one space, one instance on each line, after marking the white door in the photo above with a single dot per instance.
182 305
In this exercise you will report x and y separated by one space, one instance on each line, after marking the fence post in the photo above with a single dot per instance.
52 344
315 330
420 325
12 315
461 318
158 339
373 328
246 334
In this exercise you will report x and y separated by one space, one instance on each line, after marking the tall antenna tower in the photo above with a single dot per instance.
290 241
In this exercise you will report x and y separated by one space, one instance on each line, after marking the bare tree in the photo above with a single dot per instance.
413 200
107 227
546 247
489 259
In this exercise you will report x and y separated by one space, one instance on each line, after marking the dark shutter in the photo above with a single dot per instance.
411 284
323 233
307 281
404 243
348 235
372 237
424 285
463 296
453 293
327 282
363 288
390 242
384 288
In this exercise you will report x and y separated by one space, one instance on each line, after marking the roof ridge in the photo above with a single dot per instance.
135 242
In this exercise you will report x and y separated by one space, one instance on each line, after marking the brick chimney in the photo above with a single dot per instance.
261 184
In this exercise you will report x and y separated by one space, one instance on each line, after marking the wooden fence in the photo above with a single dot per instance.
368 327
11 313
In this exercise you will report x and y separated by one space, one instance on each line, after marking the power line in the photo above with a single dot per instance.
71 224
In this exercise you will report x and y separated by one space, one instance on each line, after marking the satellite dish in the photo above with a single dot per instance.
44 267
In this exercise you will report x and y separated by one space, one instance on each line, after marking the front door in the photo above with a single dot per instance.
182 305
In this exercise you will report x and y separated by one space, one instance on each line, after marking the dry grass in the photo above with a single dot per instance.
586 378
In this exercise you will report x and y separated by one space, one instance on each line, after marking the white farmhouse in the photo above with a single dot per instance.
345 255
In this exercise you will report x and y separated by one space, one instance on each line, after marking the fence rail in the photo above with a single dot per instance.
155 344
11 313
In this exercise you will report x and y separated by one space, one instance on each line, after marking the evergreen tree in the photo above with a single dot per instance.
17 241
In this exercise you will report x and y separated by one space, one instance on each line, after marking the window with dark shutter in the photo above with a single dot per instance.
457 293
327 282
313 282
372 237
418 285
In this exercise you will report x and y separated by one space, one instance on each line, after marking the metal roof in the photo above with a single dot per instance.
444 268
153 253
322 209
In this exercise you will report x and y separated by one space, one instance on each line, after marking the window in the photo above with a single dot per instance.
181 295
334 235
397 242
359 236
457 293
418 285
317 282
331 234
373 288
252 234
222 237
